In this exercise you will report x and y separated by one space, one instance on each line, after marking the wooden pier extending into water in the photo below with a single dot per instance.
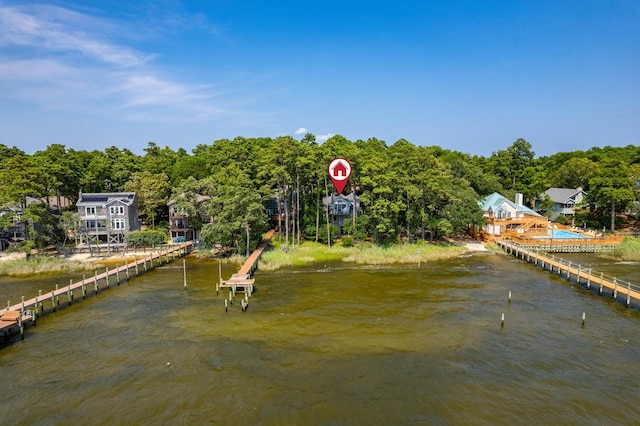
18 316
618 289
242 280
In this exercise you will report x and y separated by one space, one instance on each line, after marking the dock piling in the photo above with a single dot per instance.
184 268
601 280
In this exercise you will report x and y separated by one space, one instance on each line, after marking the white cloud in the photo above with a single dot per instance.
301 131
58 58
57 30
323 138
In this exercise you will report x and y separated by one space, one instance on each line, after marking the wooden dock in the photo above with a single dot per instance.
20 315
590 244
242 280
618 289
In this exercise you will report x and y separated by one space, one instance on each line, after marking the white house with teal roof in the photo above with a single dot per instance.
505 216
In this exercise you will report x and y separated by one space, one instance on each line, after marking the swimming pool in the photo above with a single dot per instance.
561 234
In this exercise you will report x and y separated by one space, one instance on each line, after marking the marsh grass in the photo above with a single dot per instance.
405 254
363 254
628 251
42 265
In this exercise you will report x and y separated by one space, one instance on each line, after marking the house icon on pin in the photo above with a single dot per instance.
339 170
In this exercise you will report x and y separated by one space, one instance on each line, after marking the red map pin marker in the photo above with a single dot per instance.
339 171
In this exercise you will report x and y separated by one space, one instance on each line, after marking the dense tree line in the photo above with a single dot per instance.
405 190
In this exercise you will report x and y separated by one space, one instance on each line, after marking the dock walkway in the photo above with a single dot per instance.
242 281
614 287
29 310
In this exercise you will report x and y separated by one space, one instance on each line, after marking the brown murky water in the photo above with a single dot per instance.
336 345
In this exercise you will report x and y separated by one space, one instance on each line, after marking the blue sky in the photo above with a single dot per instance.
471 76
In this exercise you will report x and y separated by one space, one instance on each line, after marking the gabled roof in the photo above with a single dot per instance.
562 195
349 197
494 201
104 198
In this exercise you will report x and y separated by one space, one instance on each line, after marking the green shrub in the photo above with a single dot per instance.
347 241
146 238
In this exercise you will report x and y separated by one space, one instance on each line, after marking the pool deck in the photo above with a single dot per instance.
588 242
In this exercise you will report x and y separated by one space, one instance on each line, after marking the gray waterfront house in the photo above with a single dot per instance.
106 218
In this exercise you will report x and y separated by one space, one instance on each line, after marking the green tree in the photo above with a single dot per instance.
547 206
574 173
240 216
612 185
152 191
69 223
21 177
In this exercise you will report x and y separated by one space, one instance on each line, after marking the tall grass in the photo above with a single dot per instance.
363 253
42 265
628 251
405 254
308 252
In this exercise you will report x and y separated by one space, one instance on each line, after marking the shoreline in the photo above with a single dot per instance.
59 263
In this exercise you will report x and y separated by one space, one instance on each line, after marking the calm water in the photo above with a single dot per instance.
336 345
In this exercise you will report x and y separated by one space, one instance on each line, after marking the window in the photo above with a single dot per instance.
116 210
90 211
90 224
341 207
117 224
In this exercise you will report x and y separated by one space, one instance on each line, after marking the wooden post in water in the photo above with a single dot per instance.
144 260
136 263
226 305
579 273
615 288
117 274
95 281
69 295
569 272
219 273
126 264
502 321
628 294
57 297
509 296
84 288
184 268
589 279
583 316
106 270
21 325
601 279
